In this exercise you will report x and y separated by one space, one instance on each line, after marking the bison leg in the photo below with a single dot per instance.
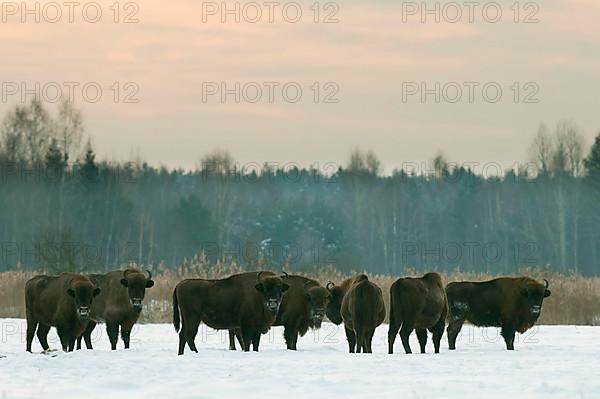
351 337
231 340
31 327
191 329
422 337
87 336
453 330
72 340
438 331
240 339
392 336
125 336
369 341
509 338
42 334
255 342
65 339
182 331
181 342
233 334
392 332
404 334
112 329
360 340
246 339
291 337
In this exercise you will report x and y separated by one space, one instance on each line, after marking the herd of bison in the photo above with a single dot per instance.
248 304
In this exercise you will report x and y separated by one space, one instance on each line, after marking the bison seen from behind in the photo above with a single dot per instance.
247 301
119 305
513 304
61 301
358 303
417 303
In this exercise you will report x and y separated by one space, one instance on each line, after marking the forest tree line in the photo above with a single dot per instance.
63 209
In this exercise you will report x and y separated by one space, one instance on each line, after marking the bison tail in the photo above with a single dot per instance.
396 311
176 319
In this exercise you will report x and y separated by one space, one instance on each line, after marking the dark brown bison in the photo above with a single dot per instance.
358 303
302 307
119 305
513 304
417 304
248 301
61 301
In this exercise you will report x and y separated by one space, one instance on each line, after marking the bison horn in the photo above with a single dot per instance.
284 275
258 277
149 274
546 283
329 284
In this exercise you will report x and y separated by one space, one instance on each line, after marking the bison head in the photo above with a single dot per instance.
136 283
533 295
317 298
83 292
272 289
336 295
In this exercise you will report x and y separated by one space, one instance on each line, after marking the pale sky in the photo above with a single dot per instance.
370 55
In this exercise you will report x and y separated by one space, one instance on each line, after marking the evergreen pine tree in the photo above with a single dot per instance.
592 162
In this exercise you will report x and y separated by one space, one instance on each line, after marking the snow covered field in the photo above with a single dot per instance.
549 362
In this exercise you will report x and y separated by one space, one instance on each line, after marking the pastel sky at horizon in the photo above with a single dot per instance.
370 55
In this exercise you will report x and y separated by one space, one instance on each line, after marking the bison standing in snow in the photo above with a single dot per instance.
513 304
417 303
358 303
247 301
61 301
119 305
302 307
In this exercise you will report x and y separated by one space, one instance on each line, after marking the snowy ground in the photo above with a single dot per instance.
549 362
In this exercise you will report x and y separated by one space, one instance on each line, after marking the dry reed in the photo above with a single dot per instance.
575 299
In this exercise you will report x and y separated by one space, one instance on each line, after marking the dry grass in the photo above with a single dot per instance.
574 300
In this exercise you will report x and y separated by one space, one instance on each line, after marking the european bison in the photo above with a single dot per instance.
514 304
302 307
248 301
119 305
61 301
417 303
358 303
